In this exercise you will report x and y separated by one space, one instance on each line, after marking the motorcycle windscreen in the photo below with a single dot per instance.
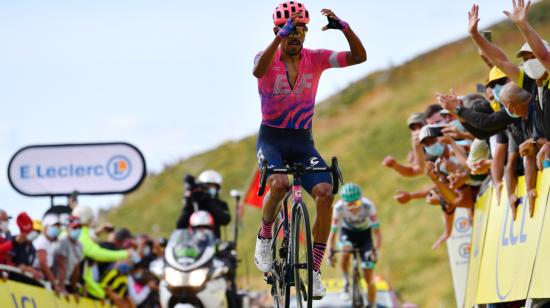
189 249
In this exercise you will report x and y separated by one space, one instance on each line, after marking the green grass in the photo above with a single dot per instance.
360 125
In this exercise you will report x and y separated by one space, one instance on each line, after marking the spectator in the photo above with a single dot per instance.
94 252
432 115
143 287
68 257
537 69
45 245
5 236
122 239
415 123
23 254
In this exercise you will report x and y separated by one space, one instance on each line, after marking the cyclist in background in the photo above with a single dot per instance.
288 76
355 216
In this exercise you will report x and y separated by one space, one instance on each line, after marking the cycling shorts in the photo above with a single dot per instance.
361 240
281 146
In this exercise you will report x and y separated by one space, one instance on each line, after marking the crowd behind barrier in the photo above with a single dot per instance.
486 152
61 260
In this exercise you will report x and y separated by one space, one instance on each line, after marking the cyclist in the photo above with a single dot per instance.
357 218
288 76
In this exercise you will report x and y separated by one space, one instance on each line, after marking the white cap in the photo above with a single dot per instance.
85 213
50 220
527 48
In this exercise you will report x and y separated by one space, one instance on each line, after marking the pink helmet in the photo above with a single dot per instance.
284 10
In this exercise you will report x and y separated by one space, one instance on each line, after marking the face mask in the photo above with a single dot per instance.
4 226
138 275
32 236
458 125
53 232
534 69
496 92
435 149
513 115
135 257
74 234
213 192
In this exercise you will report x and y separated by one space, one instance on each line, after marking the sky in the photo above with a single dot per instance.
174 77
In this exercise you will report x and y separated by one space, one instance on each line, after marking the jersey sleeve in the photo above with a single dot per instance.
325 58
373 217
336 217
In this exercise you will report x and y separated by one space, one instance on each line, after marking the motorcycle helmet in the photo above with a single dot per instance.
201 219
210 177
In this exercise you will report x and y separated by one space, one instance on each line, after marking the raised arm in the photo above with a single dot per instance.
264 60
357 53
518 15
495 54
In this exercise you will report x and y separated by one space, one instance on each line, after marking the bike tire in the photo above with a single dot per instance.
302 255
357 299
280 290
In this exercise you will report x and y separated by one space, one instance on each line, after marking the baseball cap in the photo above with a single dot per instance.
50 220
415 118
24 222
74 222
527 48
495 74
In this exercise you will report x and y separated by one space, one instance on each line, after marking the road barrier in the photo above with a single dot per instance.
510 260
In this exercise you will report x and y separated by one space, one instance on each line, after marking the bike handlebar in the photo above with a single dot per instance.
299 169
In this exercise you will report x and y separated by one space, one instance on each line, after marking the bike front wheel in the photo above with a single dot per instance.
302 255
281 284
357 291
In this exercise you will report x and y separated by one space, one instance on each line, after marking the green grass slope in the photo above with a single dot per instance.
360 125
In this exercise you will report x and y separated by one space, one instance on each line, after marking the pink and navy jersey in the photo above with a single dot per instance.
292 107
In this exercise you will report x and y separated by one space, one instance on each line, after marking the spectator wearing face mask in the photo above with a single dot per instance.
46 245
5 236
415 123
536 55
23 253
68 256
432 115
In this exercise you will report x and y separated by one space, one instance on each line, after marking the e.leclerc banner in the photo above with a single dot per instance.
458 248
92 168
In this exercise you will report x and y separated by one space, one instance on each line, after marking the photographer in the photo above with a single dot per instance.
204 195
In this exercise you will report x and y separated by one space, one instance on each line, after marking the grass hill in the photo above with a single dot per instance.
360 125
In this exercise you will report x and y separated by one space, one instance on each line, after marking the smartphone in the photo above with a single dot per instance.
488 35
436 131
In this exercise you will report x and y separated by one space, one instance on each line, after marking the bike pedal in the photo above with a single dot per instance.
268 278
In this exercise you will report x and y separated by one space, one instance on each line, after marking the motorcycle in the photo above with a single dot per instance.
190 273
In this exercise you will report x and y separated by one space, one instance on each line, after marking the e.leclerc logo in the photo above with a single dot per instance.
462 224
118 168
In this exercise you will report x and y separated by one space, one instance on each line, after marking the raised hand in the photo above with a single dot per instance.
473 19
333 21
389 161
402 197
519 11
288 28
542 155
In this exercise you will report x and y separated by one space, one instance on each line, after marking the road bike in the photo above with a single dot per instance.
293 255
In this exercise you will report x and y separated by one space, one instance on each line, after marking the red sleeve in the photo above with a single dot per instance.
5 247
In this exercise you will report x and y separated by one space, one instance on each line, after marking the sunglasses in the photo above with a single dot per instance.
298 30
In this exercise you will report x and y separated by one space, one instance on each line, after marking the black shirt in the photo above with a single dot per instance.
22 253
216 207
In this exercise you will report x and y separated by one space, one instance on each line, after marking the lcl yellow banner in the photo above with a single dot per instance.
510 250
18 295
481 217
